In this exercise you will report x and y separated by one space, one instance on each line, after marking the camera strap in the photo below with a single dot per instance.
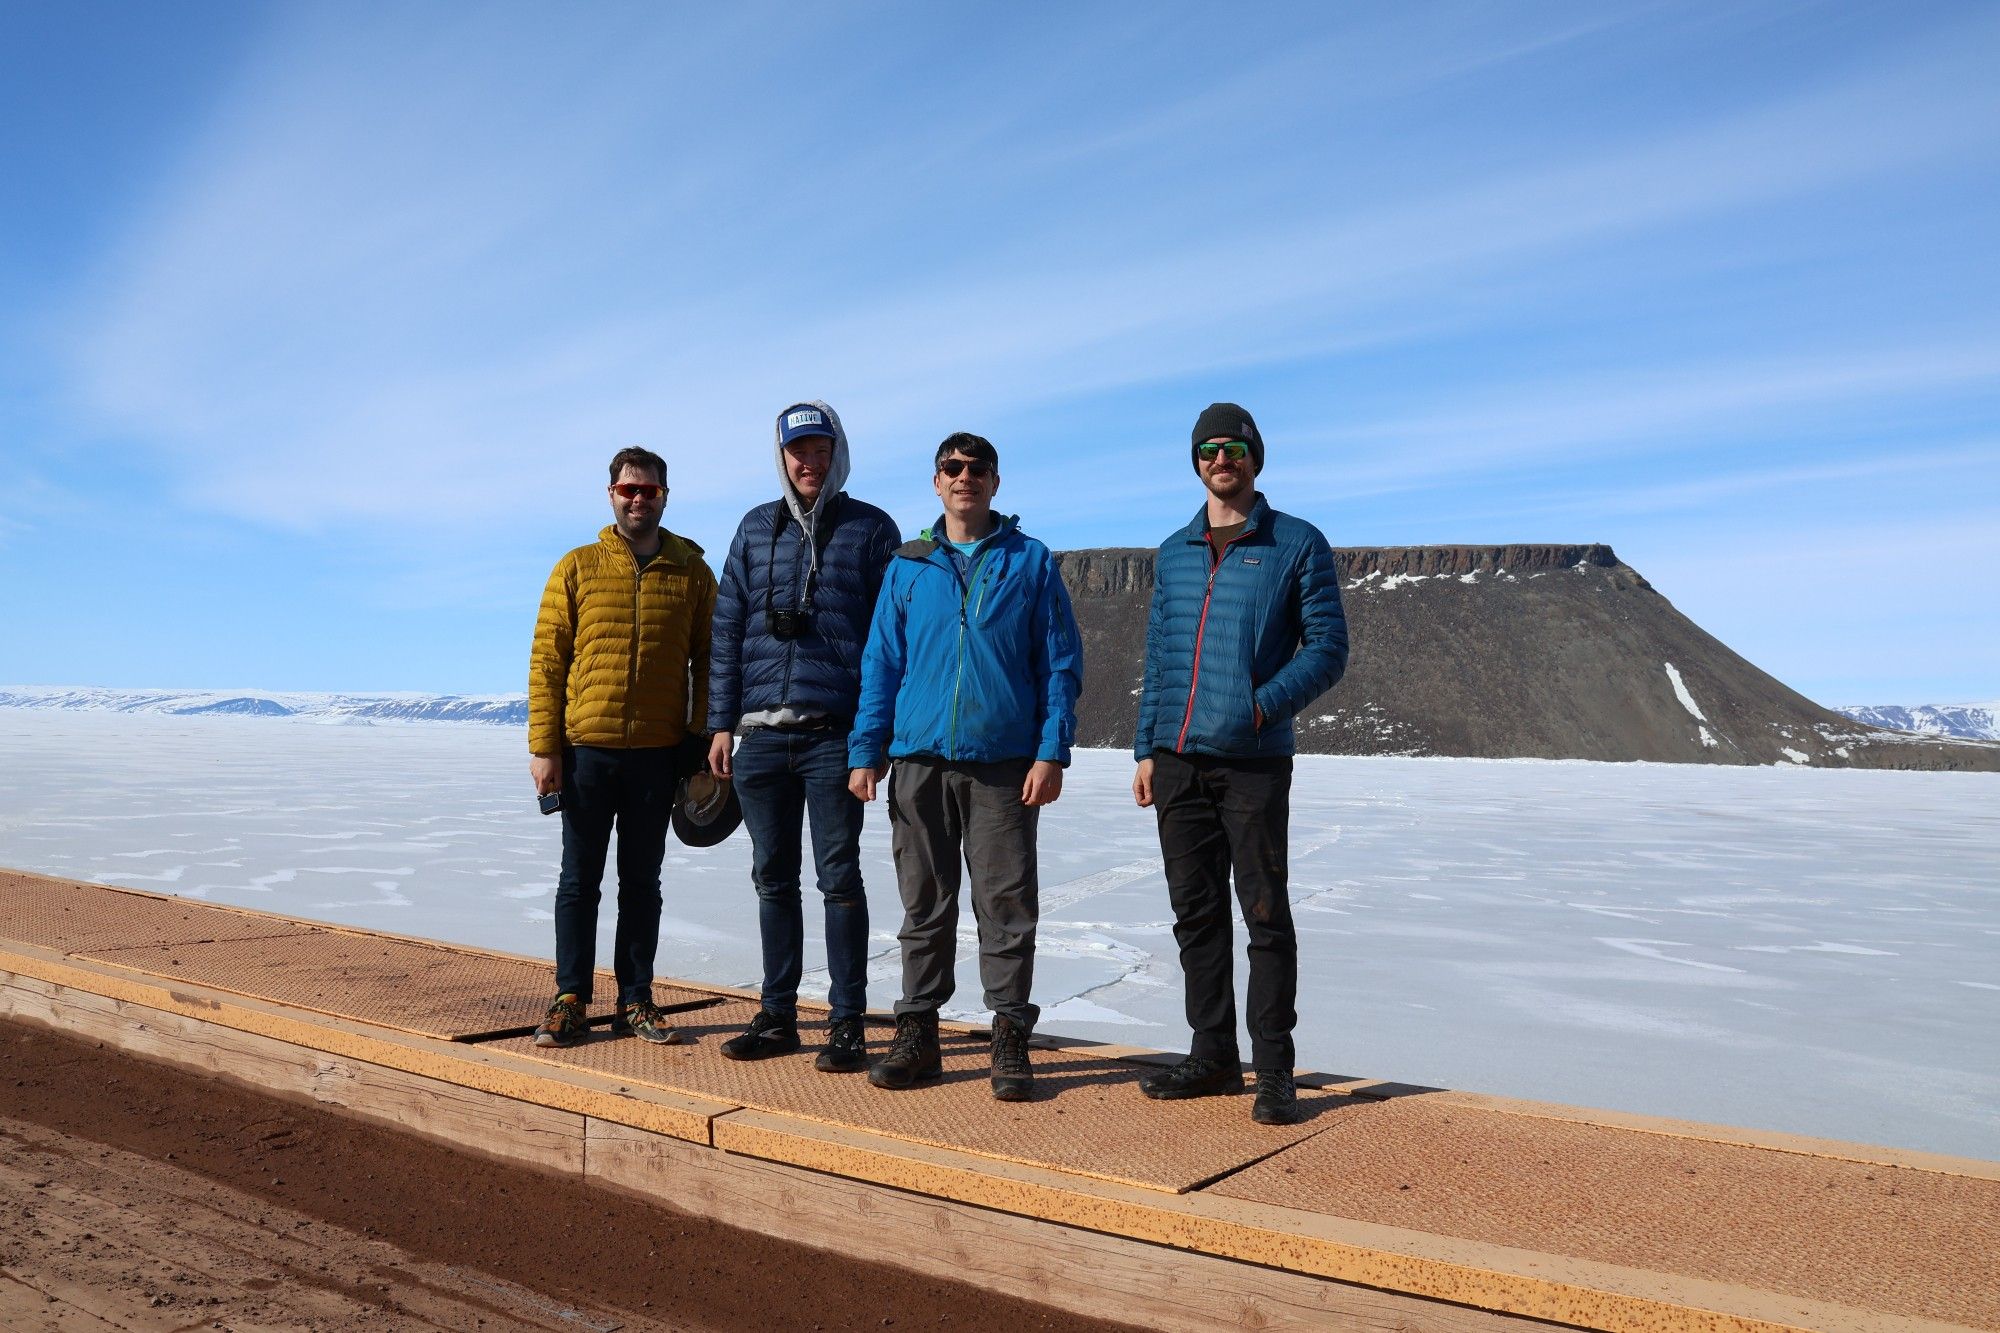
822 533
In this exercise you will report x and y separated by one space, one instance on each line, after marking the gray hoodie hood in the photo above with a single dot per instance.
836 472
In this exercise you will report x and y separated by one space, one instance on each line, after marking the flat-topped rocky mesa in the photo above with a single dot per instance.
1505 652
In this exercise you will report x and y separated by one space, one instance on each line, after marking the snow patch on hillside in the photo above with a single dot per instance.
1687 702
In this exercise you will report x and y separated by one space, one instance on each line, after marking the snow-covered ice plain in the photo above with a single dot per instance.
1793 949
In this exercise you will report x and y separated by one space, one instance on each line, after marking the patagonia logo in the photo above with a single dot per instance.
1252 560
806 417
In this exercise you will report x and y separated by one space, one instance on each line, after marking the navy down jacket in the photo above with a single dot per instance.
751 670
1260 629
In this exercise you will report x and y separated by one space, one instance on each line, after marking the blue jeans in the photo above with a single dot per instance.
635 790
781 777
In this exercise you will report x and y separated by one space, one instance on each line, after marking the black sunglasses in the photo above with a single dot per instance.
980 469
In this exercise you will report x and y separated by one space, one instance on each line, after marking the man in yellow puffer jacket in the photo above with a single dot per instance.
617 680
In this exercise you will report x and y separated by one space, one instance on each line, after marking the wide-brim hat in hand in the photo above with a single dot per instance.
705 809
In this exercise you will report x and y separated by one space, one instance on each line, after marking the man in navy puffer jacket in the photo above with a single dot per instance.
1245 630
791 617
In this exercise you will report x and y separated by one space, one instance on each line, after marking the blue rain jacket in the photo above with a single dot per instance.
976 667
1261 628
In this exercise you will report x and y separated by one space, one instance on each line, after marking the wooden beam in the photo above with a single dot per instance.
1088 1272
470 1067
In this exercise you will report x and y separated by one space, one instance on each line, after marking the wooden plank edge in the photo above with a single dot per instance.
481 1122
1372 1088
1798 1145
1090 1272
300 925
1737 1136
673 1114
1525 1283
1227 1230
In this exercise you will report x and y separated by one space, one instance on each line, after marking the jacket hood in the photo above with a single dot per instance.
674 548
932 537
836 472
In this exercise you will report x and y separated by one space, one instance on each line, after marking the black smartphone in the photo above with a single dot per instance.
550 802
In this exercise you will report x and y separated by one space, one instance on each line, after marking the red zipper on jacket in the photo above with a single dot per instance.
1200 630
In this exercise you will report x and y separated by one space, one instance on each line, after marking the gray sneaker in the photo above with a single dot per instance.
643 1019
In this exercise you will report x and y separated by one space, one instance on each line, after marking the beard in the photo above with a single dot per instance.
1229 485
638 529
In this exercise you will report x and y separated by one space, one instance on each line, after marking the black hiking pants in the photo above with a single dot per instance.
1221 818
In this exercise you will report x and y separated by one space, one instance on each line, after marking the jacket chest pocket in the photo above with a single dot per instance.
992 597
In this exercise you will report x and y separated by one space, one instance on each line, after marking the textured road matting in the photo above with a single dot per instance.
1088 1116
1887 1239
428 990
73 918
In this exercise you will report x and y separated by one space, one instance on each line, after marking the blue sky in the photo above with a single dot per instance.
318 322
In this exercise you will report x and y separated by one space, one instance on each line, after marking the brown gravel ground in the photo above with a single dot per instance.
135 1195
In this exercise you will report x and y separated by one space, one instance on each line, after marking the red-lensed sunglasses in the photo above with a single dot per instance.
638 490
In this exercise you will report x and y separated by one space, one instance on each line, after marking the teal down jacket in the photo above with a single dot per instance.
969 669
1260 629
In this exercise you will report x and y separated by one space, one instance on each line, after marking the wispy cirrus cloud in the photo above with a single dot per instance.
452 248
1674 410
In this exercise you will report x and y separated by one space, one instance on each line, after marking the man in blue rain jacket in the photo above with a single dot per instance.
1246 629
969 685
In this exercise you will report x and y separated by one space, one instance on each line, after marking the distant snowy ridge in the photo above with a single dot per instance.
501 709
1974 722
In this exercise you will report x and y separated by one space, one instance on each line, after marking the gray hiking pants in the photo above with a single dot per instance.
939 812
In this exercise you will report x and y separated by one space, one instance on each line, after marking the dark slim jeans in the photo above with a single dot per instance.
1219 816
633 789
782 778
938 813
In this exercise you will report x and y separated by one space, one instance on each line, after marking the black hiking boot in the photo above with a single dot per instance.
1196 1076
1277 1098
767 1035
846 1048
1013 1080
913 1055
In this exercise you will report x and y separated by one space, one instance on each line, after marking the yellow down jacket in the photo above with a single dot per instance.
621 654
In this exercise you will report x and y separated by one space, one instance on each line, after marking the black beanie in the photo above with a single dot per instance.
1227 421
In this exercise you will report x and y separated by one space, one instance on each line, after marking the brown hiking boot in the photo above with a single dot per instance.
566 1025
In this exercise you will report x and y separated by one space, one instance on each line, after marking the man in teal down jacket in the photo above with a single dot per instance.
969 684
1246 629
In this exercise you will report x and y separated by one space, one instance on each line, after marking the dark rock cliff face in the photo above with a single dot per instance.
1550 652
